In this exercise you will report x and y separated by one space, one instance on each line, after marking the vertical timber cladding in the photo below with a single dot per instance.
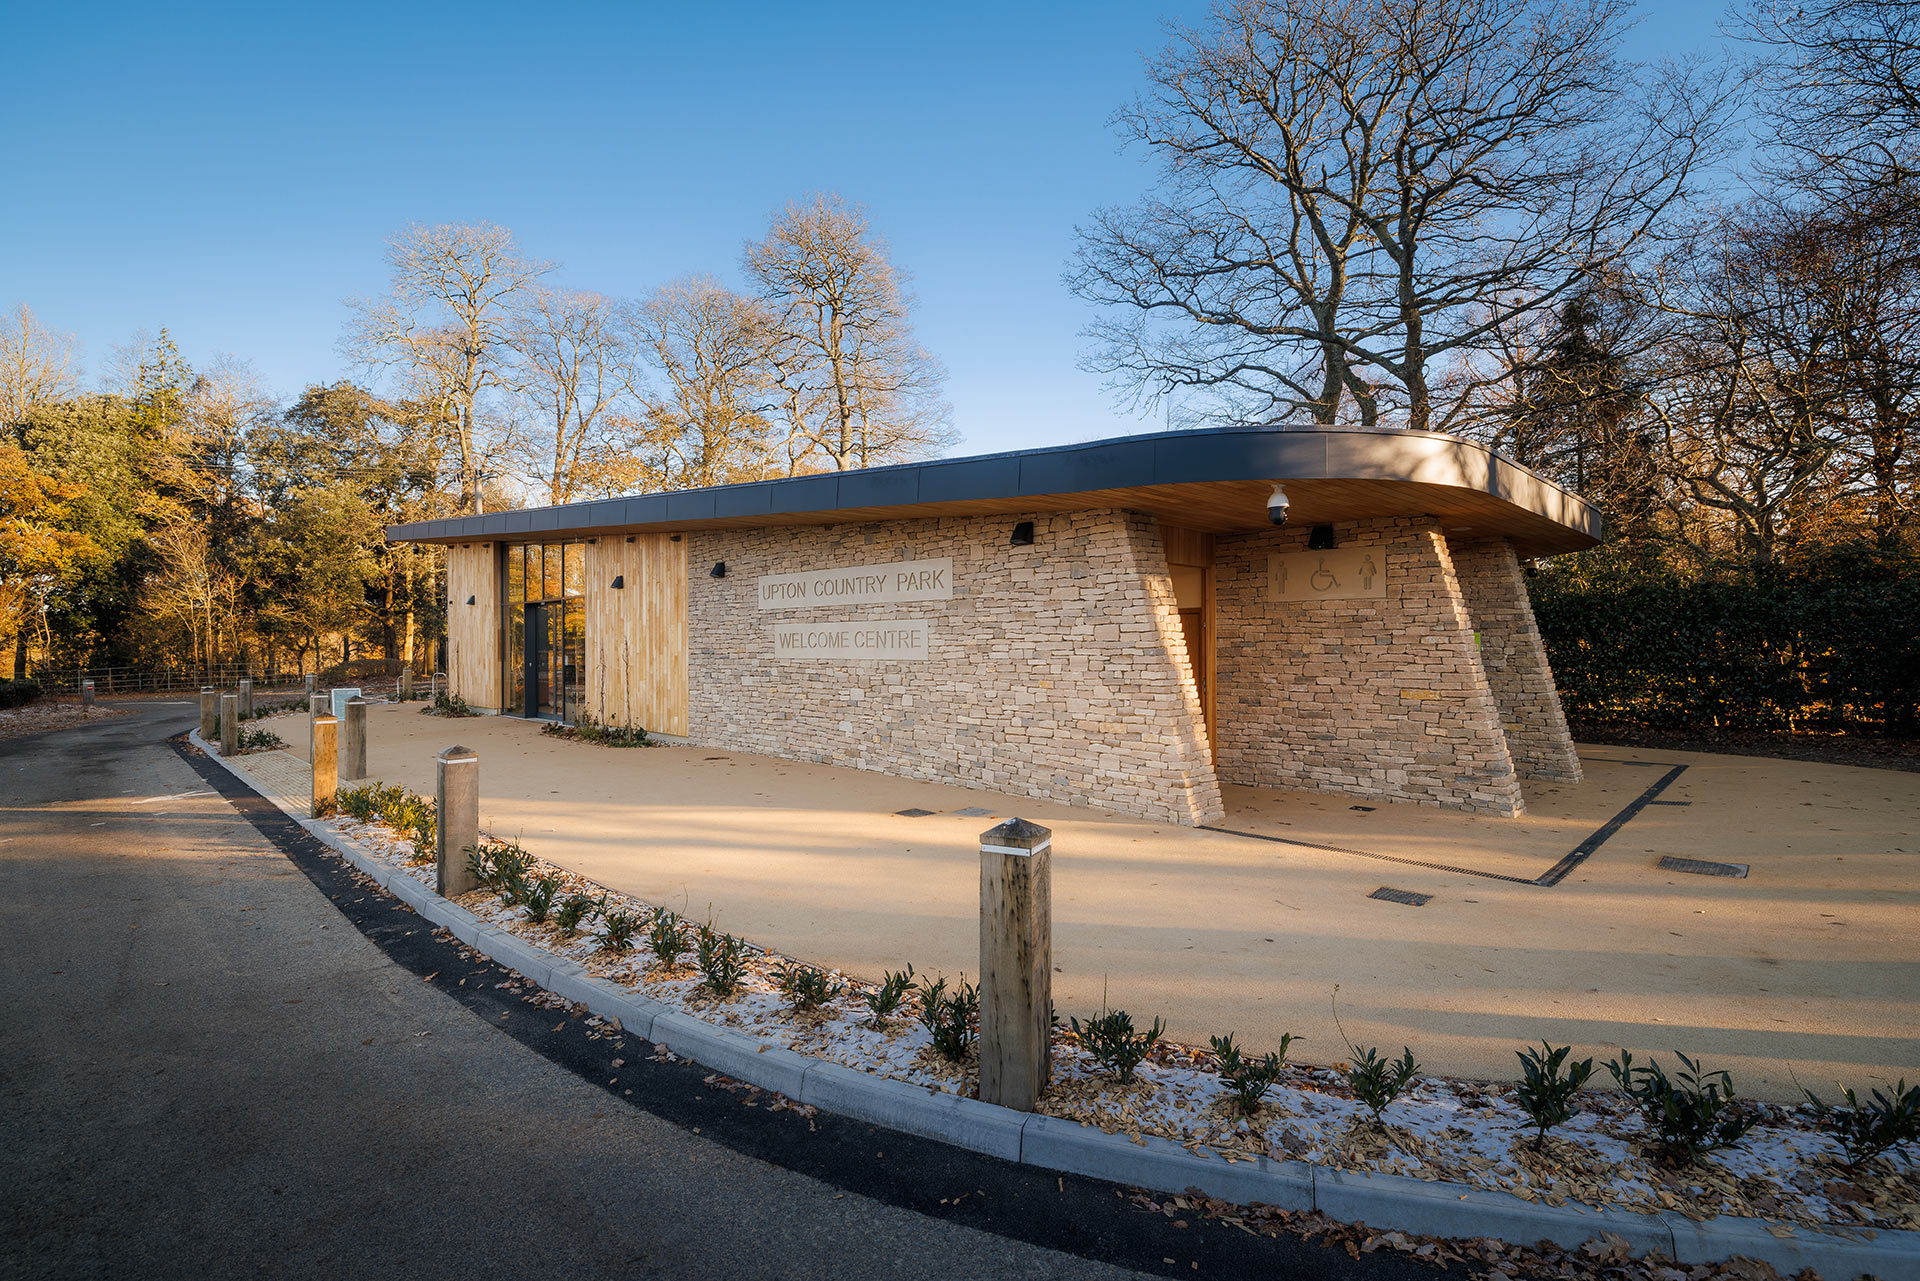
1053 671
636 651
474 637
1379 694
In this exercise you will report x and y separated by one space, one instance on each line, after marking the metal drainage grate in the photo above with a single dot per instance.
913 813
1701 866
974 811
1408 897
1364 809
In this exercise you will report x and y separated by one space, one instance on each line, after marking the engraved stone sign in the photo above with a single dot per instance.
889 639
1355 574
901 581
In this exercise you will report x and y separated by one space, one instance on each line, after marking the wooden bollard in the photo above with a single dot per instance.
1016 963
229 724
310 681
209 712
86 693
456 795
353 740
246 697
405 687
326 774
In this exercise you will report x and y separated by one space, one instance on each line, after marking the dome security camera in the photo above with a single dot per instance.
1277 505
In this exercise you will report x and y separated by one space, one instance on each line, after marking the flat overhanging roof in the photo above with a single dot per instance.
1214 480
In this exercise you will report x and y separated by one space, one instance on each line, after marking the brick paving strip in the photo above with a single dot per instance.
1382 1201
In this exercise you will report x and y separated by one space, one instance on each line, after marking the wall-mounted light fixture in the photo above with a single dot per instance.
629 537
1320 539
672 538
470 600
1022 535
719 569
619 581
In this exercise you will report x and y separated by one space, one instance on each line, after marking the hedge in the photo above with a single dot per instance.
18 693
1829 644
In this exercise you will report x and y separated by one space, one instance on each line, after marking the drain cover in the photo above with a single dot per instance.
1409 897
1364 809
974 811
913 813
1701 866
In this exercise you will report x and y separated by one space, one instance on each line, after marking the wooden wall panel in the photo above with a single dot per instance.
473 631
637 633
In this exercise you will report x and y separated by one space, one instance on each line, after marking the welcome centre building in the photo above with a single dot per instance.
1120 624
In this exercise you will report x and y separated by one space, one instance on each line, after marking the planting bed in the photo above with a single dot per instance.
1785 1171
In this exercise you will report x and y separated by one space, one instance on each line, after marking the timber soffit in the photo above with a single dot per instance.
1205 459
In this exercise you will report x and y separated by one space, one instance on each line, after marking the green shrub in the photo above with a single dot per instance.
722 959
805 988
493 864
667 937
1549 1087
885 1001
537 895
1110 1038
1691 1113
1249 1079
570 911
949 1020
1865 1130
448 703
256 740
19 693
589 730
617 928
1377 1081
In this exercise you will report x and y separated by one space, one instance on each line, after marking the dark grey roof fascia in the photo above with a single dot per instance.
1159 458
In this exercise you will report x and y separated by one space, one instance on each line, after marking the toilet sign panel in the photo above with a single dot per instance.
1357 574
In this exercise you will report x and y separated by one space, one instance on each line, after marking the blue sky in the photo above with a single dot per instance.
232 171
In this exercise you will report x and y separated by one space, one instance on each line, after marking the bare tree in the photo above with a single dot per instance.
572 349
448 322
854 384
1840 82
1358 195
37 365
711 347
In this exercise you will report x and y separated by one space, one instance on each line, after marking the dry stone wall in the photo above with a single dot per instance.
1515 658
1372 697
1056 671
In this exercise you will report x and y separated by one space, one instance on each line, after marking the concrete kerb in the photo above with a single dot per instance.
1381 1201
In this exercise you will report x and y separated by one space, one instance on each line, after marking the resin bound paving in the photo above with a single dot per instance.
1802 968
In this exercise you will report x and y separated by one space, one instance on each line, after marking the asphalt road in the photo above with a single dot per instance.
213 1064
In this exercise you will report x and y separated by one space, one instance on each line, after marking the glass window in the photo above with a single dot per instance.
516 588
550 589
575 577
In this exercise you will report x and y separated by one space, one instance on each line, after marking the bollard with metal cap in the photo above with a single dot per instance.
326 773
353 739
310 680
1016 963
209 712
246 697
456 795
86 693
229 724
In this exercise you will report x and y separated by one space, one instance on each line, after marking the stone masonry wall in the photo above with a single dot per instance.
1368 697
1057 671
1516 659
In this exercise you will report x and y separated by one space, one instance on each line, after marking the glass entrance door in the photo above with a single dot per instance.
547 631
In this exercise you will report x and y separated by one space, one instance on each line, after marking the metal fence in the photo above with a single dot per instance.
163 680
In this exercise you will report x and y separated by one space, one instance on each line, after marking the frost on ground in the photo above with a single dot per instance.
1785 1170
